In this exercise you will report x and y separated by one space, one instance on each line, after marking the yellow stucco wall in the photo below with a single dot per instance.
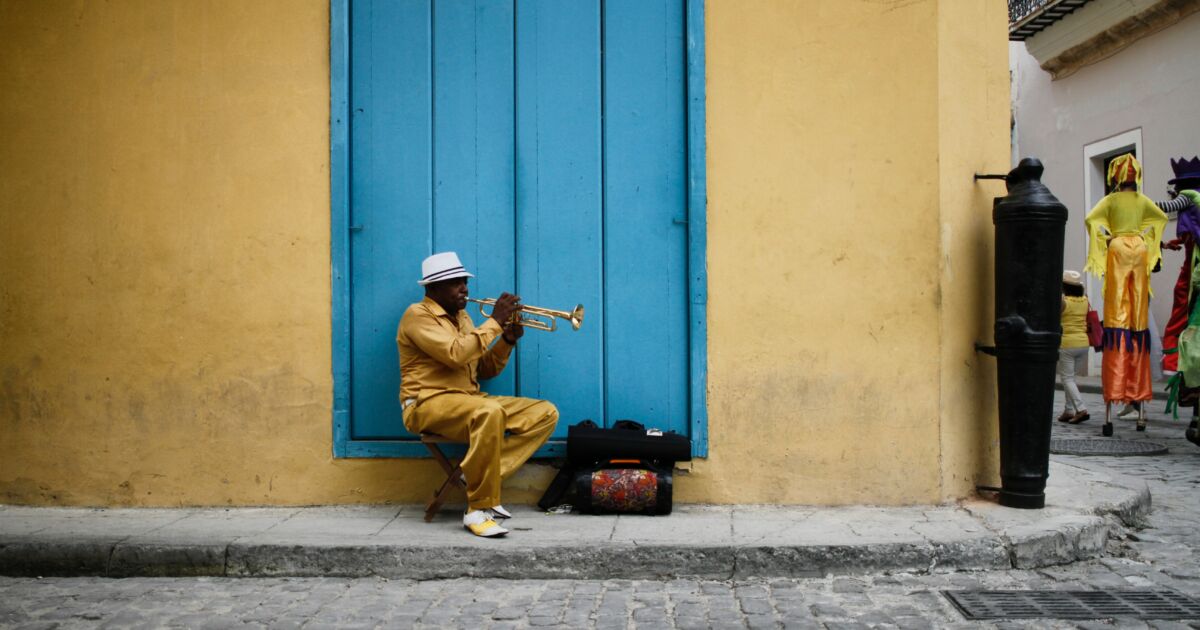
842 137
973 137
164 255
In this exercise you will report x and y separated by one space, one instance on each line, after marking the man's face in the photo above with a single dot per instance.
450 294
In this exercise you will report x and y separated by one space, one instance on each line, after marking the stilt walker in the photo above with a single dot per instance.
1124 230
1184 391
1187 234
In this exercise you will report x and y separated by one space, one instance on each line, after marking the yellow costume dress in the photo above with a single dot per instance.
1124 231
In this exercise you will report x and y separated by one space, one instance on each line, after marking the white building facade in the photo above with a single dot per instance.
1109 77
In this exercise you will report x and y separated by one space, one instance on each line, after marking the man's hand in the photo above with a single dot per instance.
506 306
1174 244
513 332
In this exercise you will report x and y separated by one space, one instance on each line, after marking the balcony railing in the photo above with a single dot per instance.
1027 18
1018 9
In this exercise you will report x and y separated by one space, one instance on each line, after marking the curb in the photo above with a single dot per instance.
410 562
1060 538
614 561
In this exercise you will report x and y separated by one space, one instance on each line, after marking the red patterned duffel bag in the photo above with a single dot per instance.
623 486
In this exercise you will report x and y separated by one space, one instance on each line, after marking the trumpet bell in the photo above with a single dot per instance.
577 317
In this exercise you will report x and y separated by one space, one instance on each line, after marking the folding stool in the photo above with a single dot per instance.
452 468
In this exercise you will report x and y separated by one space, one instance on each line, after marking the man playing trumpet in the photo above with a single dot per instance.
443 356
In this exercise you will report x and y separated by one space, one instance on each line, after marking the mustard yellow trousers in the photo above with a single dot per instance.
482 421
1125 370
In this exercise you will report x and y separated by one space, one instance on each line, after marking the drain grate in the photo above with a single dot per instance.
1161 604
1108 446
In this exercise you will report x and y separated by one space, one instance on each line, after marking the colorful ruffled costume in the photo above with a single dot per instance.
1124 230
1184 387
1187 233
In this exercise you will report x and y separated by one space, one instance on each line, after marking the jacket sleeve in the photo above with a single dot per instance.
1098 231
453 350
1154 221
494 360
1178 204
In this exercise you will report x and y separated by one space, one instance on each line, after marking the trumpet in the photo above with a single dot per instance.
536 316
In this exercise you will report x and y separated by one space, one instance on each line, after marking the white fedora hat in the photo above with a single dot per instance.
1072 277
443 266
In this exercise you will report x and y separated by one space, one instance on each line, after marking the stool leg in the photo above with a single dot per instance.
447 466
441 495
453 477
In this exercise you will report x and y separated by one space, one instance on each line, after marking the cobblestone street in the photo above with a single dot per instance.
1161 555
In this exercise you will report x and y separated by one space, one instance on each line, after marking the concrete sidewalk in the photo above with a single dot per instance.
1085 506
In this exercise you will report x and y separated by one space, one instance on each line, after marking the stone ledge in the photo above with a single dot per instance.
1119 36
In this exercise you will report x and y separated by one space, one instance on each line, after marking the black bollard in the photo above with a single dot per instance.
1030 224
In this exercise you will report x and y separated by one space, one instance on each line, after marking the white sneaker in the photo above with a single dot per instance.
480 523
1128 413
498 511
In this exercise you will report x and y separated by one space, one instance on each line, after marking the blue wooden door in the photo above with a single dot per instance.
546 142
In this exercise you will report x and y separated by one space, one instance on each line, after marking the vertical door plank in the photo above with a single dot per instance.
645 213
473 146
390 196
496 156
697 231
559 197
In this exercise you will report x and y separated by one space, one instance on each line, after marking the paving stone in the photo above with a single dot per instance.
480 608
755 606
846 625
752 590
725 615
911 623
801 623
690 623
401 620
577 619
849 585
508 613
690 609
649 599
798 607
757 622
649 614
874 617
828 610
543 610
854 599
